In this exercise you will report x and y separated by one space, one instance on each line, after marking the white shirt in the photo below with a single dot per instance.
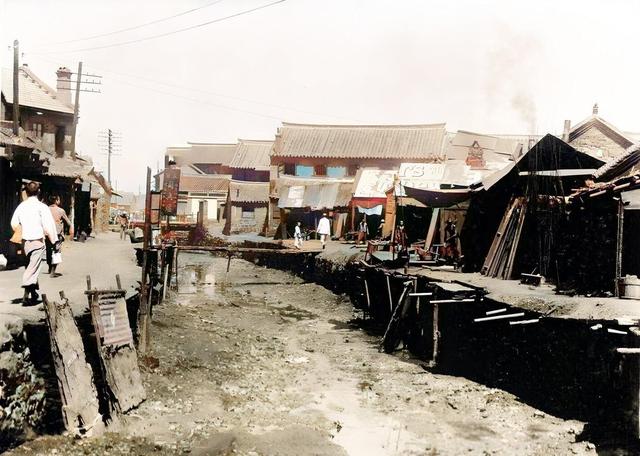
324 227
297 233
36 220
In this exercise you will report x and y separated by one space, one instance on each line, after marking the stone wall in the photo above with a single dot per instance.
102 213
595 143
248 225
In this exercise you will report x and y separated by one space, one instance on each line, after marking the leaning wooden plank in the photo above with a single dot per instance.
118 355
516 241
75 378
497 238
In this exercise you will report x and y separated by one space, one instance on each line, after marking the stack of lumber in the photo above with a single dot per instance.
501 257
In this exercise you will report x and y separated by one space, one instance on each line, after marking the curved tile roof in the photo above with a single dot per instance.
400 142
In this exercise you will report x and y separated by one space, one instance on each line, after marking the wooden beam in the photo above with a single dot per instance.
499 317
80 408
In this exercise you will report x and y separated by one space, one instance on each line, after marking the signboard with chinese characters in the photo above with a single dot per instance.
170 188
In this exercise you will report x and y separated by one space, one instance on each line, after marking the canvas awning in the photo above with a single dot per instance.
315 193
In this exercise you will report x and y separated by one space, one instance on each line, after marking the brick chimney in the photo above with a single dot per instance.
565 132
63 86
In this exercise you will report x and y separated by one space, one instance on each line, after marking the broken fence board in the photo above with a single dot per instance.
75 377
118 355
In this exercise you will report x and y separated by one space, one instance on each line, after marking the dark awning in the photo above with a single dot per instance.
439 198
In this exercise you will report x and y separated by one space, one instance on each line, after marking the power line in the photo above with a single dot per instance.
195 100
231 97
160 35
134 27
207 92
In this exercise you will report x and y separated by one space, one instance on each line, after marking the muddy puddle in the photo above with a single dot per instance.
255 361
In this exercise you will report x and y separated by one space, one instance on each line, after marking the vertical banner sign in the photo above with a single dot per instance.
170 187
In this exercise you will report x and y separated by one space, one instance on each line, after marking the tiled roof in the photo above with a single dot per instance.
400 142
624 165
33 92
204 153
248 192
7 138
204 184
212 153
252 154
68 167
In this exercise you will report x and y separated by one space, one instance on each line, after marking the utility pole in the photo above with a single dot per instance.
109 152
76 107
112 146
16 91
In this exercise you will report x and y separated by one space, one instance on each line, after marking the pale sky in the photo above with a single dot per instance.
487 66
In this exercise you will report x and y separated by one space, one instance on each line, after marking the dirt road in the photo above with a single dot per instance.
256 362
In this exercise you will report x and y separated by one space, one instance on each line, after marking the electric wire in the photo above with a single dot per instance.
135 27
173 32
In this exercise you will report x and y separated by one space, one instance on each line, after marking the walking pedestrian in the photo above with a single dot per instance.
60 218
297 236
324 229
34 220
124 225
363 231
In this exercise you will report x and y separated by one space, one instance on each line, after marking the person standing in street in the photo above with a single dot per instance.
124 225
60 218
297 236
36 223
363 230
324 229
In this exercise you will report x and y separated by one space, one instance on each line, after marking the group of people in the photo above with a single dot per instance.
324 231
40 230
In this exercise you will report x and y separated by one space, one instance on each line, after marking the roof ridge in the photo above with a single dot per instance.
435 125
240 140
192 143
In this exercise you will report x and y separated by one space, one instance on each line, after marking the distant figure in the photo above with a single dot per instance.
451 240
124 225
400 237
297 236
324 229
60 218
380 230
34 220
363 230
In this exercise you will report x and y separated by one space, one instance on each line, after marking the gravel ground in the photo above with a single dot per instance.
257 362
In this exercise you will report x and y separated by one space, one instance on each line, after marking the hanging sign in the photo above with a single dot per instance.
170 188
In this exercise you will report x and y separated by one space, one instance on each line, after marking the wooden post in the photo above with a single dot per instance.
389 290
353 216
144 307
16 86
366 290
436 335
432 228
619 239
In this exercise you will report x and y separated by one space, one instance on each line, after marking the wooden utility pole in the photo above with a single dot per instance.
76 107
109 152
144 308
16 85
